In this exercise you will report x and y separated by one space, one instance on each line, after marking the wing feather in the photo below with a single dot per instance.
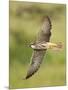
37 56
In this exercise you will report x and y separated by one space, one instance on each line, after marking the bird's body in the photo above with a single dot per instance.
47 45
38 55
40 46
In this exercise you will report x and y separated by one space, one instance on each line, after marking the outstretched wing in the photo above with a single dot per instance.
37 56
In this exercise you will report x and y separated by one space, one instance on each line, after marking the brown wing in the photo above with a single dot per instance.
37 56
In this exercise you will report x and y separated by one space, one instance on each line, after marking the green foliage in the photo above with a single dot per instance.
25 23
48 75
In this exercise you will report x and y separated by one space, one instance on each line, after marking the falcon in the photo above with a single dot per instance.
40 46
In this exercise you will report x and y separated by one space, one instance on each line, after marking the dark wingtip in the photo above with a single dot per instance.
27 77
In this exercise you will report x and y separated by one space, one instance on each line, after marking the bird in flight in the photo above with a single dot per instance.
40 46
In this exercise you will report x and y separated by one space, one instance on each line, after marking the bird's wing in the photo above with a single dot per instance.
37 56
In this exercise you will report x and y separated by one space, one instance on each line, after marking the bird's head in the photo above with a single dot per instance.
32 45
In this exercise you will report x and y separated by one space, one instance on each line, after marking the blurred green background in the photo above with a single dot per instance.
25 23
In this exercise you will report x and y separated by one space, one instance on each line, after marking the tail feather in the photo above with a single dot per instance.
59 45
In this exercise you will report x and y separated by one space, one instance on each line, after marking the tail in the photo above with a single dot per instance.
59 45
